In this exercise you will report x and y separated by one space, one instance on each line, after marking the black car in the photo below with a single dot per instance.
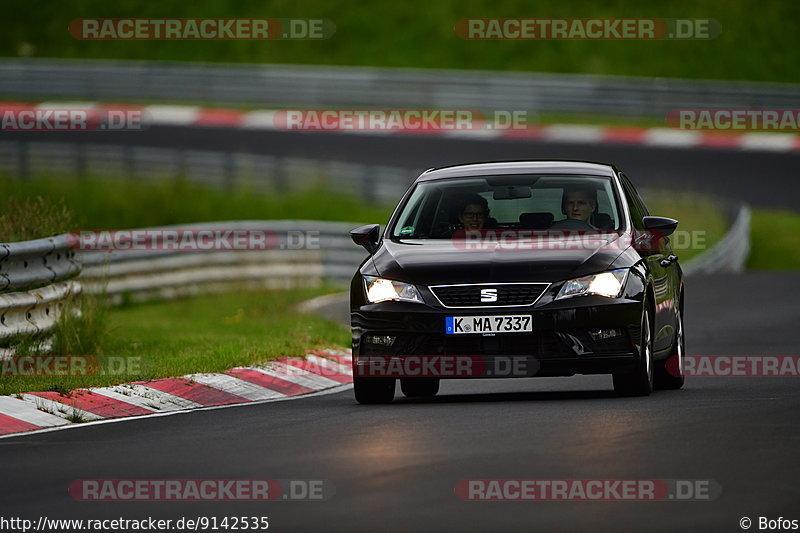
517 269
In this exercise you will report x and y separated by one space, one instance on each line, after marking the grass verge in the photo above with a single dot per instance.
755 43
208 333
124 204
774 240
30 216
701 223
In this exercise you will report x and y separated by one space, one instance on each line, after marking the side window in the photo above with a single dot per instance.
635 206
637 198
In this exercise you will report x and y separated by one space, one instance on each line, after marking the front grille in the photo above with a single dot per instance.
543 344
507 294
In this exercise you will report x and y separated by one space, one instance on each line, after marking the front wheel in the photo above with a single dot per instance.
640 381
670 372
373 390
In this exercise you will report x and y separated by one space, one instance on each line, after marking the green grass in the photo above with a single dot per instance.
774 240
755 43
202 334
28 217
118 204
701 223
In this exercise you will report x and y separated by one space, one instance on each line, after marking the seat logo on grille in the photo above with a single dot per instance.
488 295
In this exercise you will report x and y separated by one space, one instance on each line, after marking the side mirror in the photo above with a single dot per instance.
661 225
367 236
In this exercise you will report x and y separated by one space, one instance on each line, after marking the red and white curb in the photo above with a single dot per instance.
175 115
283 378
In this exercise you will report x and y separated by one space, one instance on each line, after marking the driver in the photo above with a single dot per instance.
579 204
474 212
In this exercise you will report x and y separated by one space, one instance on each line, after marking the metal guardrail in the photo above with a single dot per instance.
143 275
39 273
281 85
29 264
35 311
730 253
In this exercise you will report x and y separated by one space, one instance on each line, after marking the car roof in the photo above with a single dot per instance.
495 168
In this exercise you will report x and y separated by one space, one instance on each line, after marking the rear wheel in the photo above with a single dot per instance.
374 390
640 381
419 387
670 372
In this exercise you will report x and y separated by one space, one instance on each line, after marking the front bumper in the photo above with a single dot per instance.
586 335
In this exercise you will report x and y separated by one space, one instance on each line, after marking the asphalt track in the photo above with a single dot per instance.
763 178
394 467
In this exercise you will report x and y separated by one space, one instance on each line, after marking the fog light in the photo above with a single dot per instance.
383 340
602 334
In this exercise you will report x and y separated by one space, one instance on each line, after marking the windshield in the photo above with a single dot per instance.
437 209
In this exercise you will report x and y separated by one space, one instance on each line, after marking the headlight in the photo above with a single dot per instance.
607 284
381 290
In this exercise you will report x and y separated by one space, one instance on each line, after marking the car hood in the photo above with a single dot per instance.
431 262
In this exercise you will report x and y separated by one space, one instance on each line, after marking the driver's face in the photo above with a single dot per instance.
579 206
473 217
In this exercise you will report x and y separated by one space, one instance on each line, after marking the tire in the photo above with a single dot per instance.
640 381
419 387
670 373
374 390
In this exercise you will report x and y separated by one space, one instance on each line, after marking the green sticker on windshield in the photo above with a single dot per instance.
408 230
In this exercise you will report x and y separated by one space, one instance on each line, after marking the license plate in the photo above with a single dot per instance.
456 325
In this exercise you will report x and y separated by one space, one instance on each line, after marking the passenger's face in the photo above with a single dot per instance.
579 205
473 217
